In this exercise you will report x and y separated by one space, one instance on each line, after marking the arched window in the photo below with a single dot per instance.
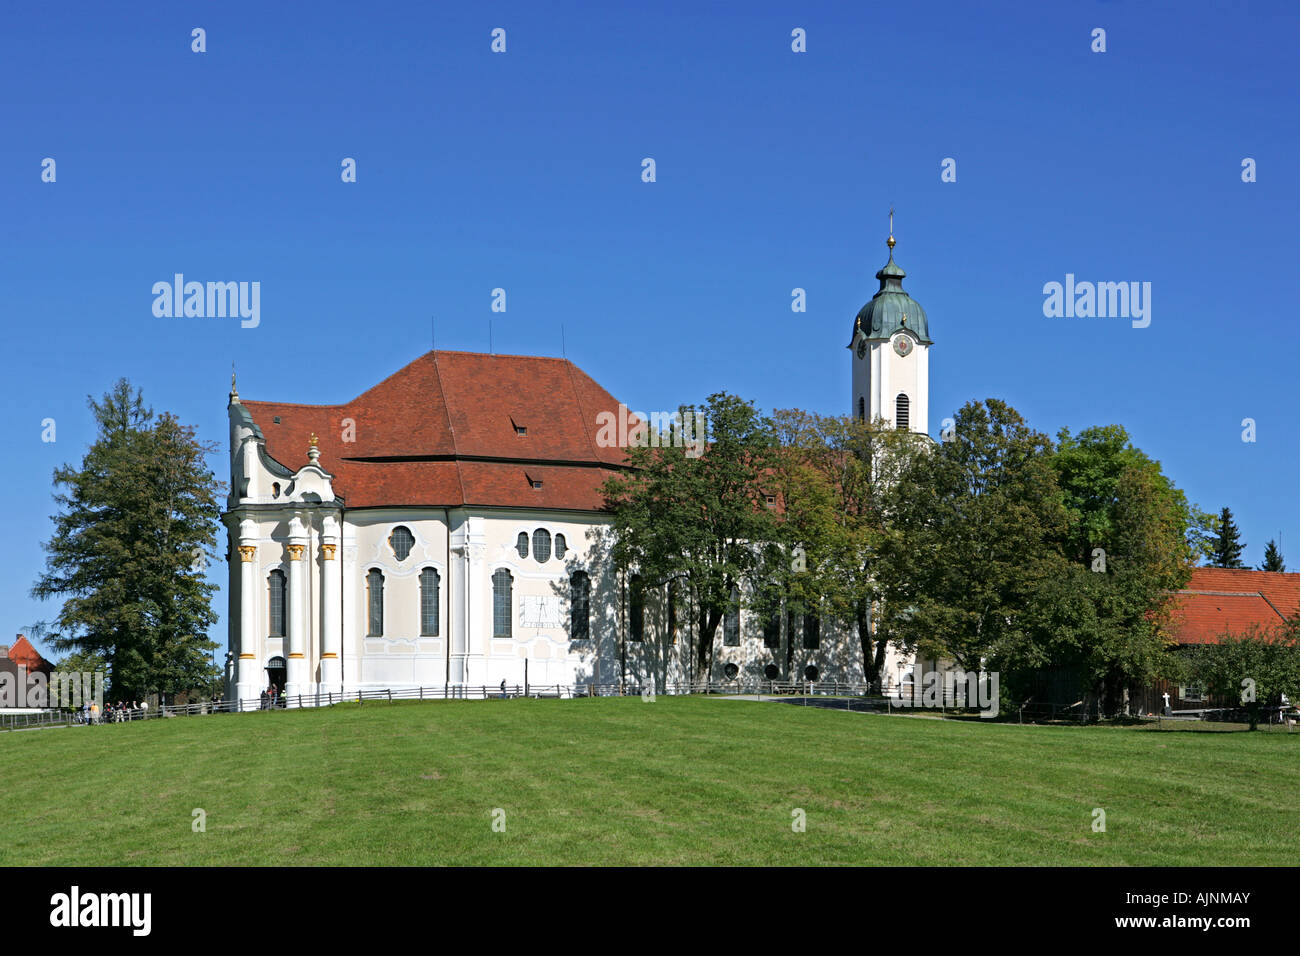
401 541
579 606
731 621
521 544
637 609
862 409
502 620
902 411
275 585
375 602
812 632
429 603
561 546
542 545
672 611
772 630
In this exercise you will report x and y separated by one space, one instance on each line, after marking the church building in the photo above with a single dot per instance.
444 529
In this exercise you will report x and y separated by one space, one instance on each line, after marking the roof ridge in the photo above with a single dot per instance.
1225 593
1272 605
582 410
262 401
451 429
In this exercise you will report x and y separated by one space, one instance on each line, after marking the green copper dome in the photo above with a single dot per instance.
891 309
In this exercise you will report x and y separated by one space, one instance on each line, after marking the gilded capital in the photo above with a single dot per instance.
295 552
328 550
247 552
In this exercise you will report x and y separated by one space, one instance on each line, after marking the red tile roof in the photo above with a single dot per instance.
443 431
1228 600
21 652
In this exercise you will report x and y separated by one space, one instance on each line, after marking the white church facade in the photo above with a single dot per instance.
444 530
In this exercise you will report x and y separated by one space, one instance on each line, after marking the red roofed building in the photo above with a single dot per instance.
18 661
433 530
1219 601
22 654
1231 600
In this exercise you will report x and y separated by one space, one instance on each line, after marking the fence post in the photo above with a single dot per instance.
390 695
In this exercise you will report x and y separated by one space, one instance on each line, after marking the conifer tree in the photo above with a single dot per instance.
1226 552
137 522
1272 558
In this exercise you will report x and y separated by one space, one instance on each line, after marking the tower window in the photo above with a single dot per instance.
862 409
902 412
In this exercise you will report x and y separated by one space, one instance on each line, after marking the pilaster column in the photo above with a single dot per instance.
248 677
295 641
331 672
473 610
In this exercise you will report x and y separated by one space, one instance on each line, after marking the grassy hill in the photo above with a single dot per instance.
612 781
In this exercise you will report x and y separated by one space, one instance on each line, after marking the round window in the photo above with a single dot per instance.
771 672
810 672
731 670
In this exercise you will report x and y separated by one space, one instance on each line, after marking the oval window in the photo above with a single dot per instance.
542 545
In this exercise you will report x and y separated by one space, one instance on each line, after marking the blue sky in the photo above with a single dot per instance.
775 170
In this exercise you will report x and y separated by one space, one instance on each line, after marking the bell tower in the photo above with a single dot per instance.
890 354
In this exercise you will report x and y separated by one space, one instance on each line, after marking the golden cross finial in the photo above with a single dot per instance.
891 229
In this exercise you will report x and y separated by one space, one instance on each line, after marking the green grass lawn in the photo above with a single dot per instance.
613 781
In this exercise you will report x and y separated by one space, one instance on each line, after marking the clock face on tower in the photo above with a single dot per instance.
903 345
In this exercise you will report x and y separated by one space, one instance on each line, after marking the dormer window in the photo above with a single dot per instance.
520 430
535 482
276 419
